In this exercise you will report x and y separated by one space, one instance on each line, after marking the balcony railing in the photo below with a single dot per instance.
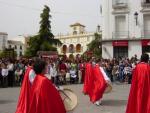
120 34
119 4
145 3
146 34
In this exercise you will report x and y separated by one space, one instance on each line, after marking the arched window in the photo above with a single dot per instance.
71 48
74 32
64 49
78 48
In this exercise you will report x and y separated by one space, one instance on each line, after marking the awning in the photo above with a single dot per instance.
120 43
145 42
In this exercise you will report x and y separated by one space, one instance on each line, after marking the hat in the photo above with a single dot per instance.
69 99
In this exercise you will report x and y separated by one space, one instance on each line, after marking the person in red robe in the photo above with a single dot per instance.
139 97
99 85
44 96
94 84
87 80
24 98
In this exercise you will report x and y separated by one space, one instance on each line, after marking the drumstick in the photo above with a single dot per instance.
65 94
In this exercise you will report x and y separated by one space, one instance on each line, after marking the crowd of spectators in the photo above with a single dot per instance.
62 71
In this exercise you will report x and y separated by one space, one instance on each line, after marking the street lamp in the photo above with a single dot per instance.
136 17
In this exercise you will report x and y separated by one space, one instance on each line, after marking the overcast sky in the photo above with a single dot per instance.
21 17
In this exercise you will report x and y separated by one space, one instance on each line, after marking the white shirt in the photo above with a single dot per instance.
104 74
53 71
19 72
10 67
4 72
31 76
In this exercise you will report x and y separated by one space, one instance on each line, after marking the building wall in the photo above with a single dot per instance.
17 48
135 48
3 40
107 50
84 40
109 13
133 31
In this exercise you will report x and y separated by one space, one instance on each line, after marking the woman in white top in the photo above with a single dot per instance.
11 76
4 73
53 73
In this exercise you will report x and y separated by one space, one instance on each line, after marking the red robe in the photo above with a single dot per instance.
24 98
88 78
139 98
98 84
44 97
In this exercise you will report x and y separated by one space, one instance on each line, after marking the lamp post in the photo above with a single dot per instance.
136 17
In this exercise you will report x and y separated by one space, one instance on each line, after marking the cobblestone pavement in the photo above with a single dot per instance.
114 102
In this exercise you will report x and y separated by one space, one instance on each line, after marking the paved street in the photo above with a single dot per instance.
114 102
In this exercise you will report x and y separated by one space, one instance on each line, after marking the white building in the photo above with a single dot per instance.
76 42
3 40
126 28
18 47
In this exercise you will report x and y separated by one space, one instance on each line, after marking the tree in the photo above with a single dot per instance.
95 46
44 41
8 53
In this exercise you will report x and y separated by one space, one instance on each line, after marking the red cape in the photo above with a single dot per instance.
88 79
98 85
139 98
44 97
23 101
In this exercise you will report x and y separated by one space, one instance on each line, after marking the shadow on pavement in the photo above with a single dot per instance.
6 101
114 102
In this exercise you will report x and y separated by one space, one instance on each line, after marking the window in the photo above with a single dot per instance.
78 48
146 26
120 52
20 53
119 2
74 28
71 48
9 46
21 47
120 27
145 49
64 49
74 32
147 1
15 47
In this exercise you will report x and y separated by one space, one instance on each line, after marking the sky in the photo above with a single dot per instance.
21 17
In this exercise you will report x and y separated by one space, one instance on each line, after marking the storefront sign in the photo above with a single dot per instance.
120 43
145 42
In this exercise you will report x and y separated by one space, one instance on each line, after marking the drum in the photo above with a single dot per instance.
69 99
108 88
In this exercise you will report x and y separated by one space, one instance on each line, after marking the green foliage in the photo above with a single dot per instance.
44 41
8 54
95 46
47 47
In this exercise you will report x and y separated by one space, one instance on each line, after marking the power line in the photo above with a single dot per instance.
36 9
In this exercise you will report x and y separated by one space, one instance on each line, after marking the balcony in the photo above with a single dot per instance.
145 3
117 4
146 34
120 35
